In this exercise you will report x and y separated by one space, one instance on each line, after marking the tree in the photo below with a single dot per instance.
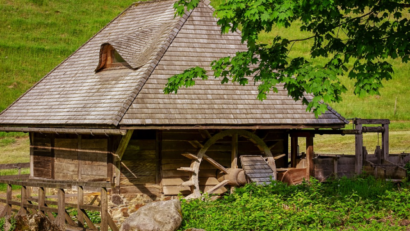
367 32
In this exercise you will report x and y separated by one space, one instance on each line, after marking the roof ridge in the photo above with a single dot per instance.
65 60
153 63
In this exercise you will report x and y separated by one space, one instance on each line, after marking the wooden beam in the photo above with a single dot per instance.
373 129
79 131
104 210
31 154
215 164
385 142
216 187
60 221
191 156
158 157
294 151
358 151
118 156
234 152
371 121
233 127
123 144
309 157
80 201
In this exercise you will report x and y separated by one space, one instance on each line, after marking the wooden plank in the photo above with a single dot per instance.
112 225
385 142
309 157
88 221
216 187
90 208
60 220
80 201
215 164
358 150
371 121
186 169
190 156
234 153
294 151
104 210
13 166
119 154
158 156
9 199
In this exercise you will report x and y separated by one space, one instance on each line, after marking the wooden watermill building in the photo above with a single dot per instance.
102 114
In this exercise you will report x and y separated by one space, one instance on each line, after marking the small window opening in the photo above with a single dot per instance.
110 58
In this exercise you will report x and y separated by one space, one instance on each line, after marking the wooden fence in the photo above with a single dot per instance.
30 204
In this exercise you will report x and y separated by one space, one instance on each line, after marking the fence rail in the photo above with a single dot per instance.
13 166
42 205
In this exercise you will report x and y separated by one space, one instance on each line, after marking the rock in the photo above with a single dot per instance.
35 222
155 216
117 199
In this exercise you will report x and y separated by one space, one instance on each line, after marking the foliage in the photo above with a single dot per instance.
3 223
362 202
366 32
407 167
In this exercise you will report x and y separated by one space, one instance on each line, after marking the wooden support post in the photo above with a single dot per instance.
158 157
378 155
60 220
23 208
365 154
31 154
8 198
385 142
293 151
80 201
118 157
335 160
309 157
41 199
234 151
359 150
104 210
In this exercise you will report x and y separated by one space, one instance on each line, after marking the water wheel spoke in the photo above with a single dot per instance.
191 156
215 164
216 187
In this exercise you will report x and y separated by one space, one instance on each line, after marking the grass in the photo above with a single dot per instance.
14 150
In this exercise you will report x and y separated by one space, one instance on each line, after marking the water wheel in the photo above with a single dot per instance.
260 169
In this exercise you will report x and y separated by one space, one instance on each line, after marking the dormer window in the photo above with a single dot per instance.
110 58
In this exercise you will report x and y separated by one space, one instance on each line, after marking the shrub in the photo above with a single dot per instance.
362 202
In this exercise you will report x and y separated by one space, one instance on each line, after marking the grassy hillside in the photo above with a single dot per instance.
36 35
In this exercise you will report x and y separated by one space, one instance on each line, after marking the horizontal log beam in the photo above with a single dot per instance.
371 121
305 133
13 166
90 207
255 127
79 131
373 129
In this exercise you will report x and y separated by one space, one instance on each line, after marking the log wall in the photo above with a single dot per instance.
72 157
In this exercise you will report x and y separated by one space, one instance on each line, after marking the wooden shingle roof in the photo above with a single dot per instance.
156 45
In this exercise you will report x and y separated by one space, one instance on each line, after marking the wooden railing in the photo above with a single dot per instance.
48 207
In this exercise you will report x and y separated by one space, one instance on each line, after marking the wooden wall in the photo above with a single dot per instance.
73 157
139 165
42 155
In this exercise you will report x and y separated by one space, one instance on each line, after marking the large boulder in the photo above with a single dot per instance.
155 216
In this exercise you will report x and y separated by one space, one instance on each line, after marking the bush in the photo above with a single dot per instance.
362 202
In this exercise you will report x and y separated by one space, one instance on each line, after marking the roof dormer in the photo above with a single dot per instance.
110 58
